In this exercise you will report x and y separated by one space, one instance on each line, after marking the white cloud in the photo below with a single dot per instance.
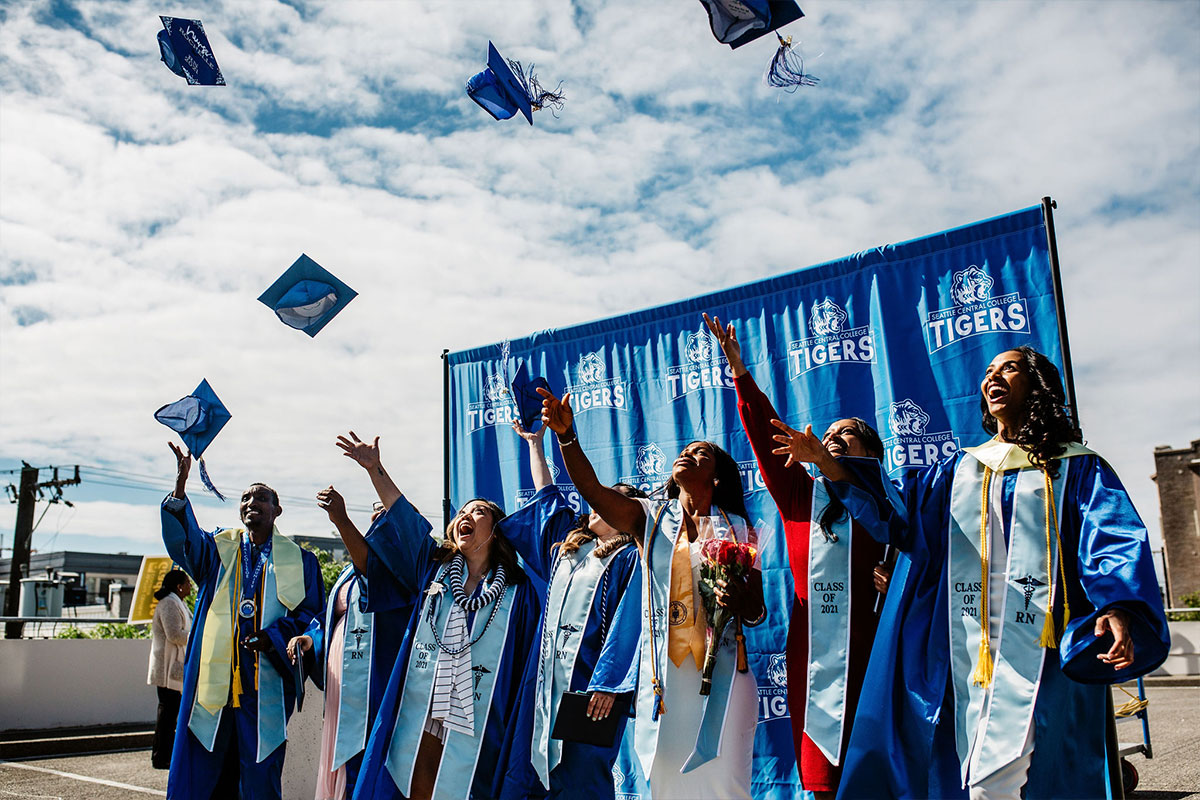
140 217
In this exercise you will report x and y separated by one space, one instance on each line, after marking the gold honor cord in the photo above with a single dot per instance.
982 676
1049 638
236 660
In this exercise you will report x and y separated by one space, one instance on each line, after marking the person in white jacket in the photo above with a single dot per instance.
168 650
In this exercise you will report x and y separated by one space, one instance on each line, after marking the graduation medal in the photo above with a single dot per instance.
246 608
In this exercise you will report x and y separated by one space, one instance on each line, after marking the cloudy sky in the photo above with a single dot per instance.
141 217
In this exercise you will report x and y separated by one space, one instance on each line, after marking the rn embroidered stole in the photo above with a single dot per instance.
574 583
456 771
358 642
993 715
828 627
282 590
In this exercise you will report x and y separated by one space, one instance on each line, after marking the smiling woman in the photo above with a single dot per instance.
1030 546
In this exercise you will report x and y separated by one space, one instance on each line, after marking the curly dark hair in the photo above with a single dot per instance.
727 495
1047 427
581 533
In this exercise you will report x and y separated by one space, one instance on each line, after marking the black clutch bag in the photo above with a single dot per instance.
572 724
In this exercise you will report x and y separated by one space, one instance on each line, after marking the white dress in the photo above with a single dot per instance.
726 777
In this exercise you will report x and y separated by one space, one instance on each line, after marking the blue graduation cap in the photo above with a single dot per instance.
739 22
197 418
524 392
307 296
186 52
504 88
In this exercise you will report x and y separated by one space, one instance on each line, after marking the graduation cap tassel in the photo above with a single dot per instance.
207 481
538 96
787 68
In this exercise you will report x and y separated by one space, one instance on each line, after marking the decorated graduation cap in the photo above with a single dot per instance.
186 52
307 296
505 88
524 392
739 22
197 418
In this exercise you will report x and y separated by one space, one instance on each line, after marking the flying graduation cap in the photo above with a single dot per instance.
197 418
185 51
739 22
524 392
505 88
307 296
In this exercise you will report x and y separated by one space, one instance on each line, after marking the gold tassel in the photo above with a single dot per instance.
658 694
982 676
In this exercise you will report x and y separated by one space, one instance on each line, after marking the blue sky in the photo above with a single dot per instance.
141 217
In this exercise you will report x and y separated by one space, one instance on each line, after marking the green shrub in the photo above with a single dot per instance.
71 632
121 630
1190 600
330 567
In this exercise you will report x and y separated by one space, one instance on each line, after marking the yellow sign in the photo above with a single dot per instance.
149 580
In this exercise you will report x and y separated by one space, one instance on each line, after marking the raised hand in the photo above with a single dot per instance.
530 438
334 504
727 337
799 447
183 467
367 455
556 414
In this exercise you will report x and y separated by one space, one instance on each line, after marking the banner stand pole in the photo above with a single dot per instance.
1048 206
447 506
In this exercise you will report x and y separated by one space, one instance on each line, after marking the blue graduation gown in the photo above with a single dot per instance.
606 661
195 770
402 562
903 742
387 628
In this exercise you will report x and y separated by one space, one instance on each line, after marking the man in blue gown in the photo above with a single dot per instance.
257 590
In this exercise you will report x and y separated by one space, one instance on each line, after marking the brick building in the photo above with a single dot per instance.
1177 474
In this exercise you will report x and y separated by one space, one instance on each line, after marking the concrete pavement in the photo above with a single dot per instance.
1173 773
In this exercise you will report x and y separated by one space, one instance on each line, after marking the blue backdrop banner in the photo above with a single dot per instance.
899 334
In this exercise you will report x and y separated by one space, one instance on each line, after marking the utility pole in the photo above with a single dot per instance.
27 497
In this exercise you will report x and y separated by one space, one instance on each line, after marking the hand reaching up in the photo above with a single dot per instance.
556 414
727 337
367 455
800 448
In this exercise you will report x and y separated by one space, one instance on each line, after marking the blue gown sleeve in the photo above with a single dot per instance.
617 667
189 546
1115 570
400 550
314 660
296 621
536 527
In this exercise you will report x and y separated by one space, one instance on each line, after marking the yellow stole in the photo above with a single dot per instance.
218 648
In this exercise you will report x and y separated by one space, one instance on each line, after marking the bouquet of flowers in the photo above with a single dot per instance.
728 561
